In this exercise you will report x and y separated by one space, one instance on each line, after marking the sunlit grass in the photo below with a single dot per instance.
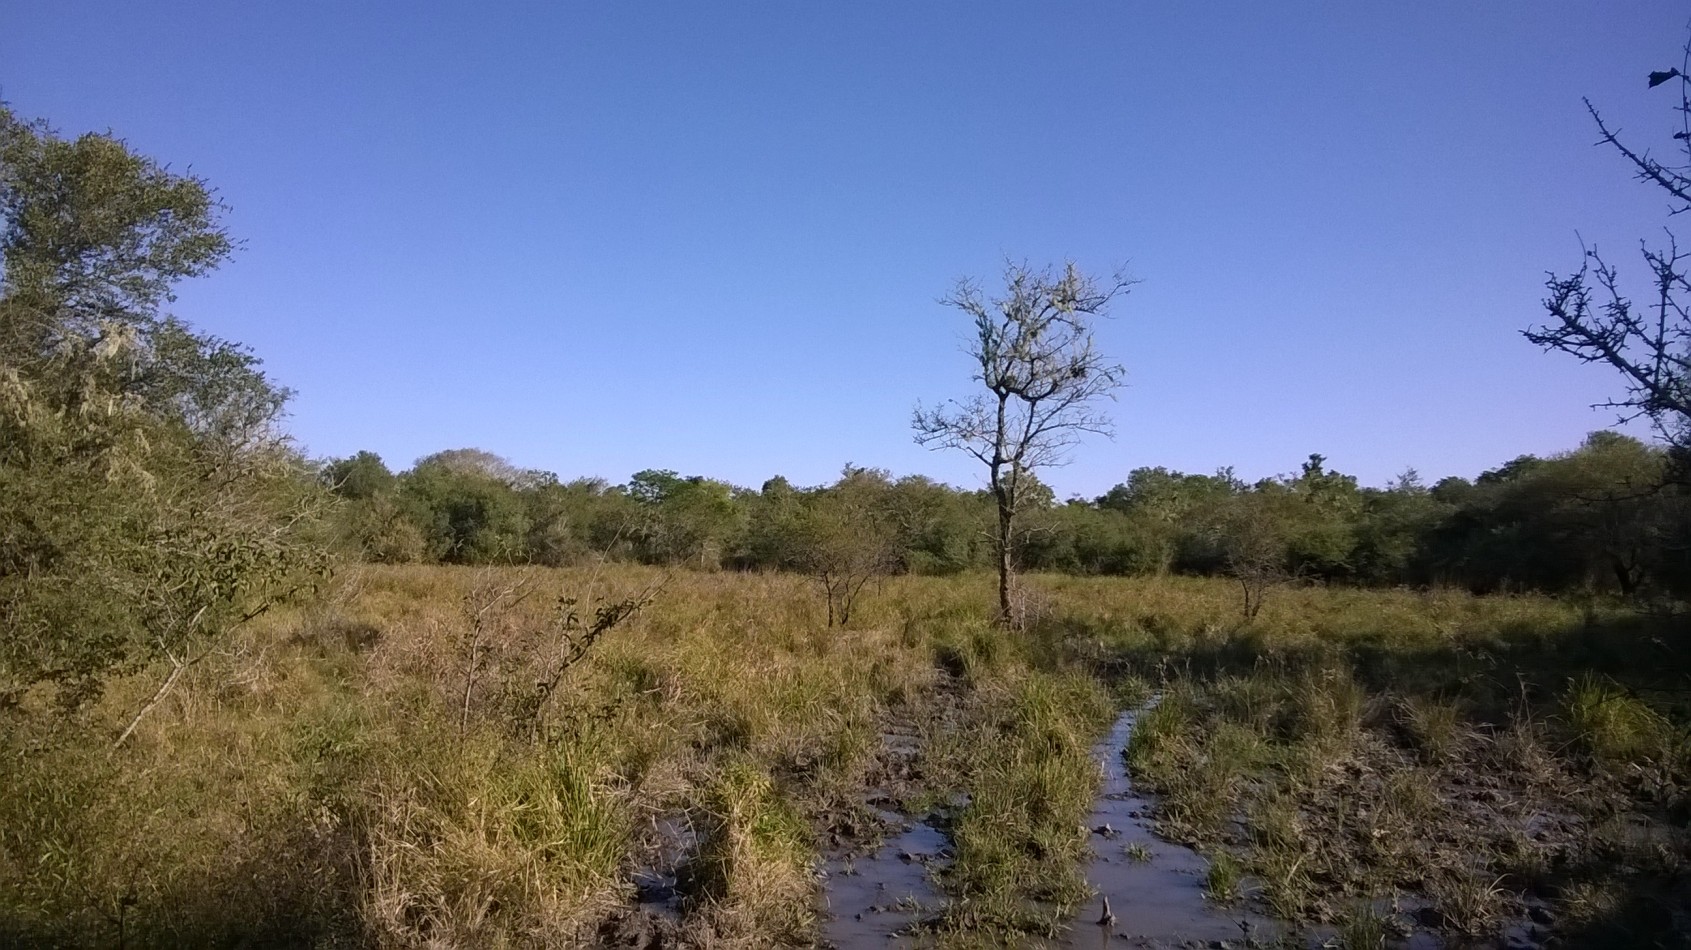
343 775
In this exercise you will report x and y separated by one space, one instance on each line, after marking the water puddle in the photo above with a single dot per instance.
874 900
656 885
1155 888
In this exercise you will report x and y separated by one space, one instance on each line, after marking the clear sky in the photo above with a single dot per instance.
602 237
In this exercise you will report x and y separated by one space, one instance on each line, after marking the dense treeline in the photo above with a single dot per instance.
1603 518
150 502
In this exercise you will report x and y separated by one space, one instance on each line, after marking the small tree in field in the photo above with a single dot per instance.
1254 546
844 538
1043 380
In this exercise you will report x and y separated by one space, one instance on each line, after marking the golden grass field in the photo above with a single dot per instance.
377 769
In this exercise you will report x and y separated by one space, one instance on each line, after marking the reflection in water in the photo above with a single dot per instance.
873 899
1155 888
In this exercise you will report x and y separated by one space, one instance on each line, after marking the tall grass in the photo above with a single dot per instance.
331 780
1031 781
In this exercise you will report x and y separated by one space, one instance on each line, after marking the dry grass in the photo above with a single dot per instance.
1352 795
1349 730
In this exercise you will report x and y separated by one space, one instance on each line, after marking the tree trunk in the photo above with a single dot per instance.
1005 513
1624 576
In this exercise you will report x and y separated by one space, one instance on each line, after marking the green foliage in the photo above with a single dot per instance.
147 503
467 508
1222 879
842 536
941 530
93 237
568 522
380 533
1392 527
1161 506
1254 534
1616 729
1322 537
1606 518
683 520
1021 834
1601 517
359 477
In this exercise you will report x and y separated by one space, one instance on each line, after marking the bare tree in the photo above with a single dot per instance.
1648 342
1043 380
528 656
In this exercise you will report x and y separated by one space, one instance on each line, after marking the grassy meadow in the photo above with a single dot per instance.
429 756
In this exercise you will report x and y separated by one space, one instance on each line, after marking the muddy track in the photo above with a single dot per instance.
881 896
1154 888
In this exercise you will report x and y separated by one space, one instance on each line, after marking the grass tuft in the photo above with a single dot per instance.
1222 880
1617 730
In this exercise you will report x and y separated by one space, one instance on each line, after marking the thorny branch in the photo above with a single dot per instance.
1593 319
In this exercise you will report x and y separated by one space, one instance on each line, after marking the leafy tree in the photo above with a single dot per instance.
148 503
1452 490
1322 532
1600 518
844 538
381 532
1255 547
1517 468
359 477
1164 508
468 509
765 541
373 525
684 520
562 517
1078 538
94 237
1617 508
1043 379
941 530
1393 525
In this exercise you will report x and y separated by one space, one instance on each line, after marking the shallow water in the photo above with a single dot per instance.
1156 902
872 899
656 885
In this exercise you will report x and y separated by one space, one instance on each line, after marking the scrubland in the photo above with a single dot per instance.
380 768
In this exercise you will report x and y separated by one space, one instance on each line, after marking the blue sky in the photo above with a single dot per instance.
597 238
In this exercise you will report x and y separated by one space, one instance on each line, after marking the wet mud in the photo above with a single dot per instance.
655 920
